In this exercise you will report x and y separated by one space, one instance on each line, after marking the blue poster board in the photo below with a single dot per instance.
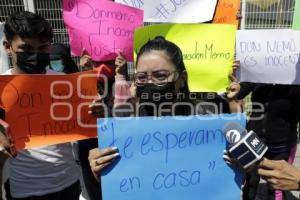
168 158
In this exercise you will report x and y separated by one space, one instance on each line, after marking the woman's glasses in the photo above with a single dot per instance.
159 78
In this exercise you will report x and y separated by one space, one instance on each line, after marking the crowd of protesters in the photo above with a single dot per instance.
53 172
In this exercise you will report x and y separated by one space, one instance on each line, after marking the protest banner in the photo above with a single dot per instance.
101 27
269 56
296 19
208 57
48 109
226 12
175 11
168 158
3 56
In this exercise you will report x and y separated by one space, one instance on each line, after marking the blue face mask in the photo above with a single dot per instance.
57 65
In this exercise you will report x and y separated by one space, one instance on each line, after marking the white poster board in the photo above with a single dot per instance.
269 56
174 11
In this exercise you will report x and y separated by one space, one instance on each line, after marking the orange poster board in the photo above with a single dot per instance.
226 12
48 109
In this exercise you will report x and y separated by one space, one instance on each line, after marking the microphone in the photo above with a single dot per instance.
244 146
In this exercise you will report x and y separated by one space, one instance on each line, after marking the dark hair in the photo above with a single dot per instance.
173 51
27 25
161 44
62 52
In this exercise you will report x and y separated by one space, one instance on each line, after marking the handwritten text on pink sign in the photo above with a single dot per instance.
101 27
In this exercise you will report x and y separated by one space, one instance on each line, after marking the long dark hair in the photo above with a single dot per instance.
173 51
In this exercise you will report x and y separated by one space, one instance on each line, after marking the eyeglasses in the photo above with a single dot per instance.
159 78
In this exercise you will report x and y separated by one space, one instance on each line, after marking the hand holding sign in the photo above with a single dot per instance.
3 55
100 158
6 142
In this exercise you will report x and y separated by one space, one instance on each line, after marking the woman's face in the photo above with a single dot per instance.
156 67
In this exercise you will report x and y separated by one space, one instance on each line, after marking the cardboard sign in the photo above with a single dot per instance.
48 109
269 56
207 57
101 27
226 12
175 11
169 158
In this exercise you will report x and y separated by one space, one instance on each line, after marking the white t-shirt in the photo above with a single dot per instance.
43 170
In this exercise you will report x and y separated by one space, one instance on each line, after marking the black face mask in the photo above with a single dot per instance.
156 94
33 63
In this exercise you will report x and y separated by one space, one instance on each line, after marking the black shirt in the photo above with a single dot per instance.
278 123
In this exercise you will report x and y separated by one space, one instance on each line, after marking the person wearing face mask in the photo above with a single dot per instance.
49 172
61 60
160 78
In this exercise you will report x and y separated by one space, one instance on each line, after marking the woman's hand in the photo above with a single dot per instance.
231 94
280 174
85 61
232 77
120 64
5 146
98 108
100 158
228 159
233 90
234 163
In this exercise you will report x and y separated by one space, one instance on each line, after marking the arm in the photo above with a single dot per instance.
233 91
280 174
98 108
85 61
122 90
4 145
121 65
122 87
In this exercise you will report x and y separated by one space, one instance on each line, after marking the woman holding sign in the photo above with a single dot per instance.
161 90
